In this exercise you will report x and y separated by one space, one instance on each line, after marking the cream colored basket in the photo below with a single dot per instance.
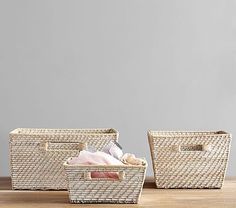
189 159
125 190
37 155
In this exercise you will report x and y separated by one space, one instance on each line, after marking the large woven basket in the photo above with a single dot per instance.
37 155
189 159
124 190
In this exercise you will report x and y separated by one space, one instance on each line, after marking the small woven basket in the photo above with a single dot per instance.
189 159
37 155
124 190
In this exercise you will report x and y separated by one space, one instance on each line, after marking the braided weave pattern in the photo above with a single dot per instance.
185 168
37 155
100 190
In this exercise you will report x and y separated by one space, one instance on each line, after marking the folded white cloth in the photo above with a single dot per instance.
114 149
95 158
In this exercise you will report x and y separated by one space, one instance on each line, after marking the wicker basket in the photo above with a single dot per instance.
37 155
124 190
189 159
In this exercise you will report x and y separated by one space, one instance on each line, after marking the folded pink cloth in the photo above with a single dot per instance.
96 158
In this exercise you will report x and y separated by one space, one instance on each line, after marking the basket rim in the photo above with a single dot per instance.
171 133
107 131
65 164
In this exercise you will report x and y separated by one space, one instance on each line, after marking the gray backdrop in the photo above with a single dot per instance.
129 64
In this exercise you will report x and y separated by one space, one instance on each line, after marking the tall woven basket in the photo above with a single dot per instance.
37 155
189 159
124 190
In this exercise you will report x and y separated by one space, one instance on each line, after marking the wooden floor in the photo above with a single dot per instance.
151 197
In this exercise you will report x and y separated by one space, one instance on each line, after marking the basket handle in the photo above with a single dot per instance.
121 175
60 146
192 148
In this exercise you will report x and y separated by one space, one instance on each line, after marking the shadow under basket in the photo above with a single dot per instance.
189 159
125 189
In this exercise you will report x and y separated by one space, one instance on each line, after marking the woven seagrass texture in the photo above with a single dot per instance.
125 190
189 159
37 155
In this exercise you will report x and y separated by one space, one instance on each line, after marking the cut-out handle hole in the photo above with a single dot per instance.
104 175
191 148
63 146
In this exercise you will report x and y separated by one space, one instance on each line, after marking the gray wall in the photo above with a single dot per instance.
132 65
